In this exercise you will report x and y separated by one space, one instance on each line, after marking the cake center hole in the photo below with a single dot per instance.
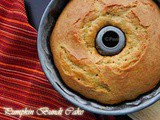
110 39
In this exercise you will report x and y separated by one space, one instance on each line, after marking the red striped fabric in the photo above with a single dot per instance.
22 82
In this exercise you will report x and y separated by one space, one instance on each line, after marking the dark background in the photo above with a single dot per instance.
35 9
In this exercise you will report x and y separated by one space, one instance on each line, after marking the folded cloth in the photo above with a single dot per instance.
22 82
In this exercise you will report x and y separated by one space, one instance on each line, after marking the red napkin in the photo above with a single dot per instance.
22 82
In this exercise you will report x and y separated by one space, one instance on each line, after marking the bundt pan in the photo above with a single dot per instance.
47 24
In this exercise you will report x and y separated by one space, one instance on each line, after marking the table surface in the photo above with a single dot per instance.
35 9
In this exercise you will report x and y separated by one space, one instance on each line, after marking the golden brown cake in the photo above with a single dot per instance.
108 79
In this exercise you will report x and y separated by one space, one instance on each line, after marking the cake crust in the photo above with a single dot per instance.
108 79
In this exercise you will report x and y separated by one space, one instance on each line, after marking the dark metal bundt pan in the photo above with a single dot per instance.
45 29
